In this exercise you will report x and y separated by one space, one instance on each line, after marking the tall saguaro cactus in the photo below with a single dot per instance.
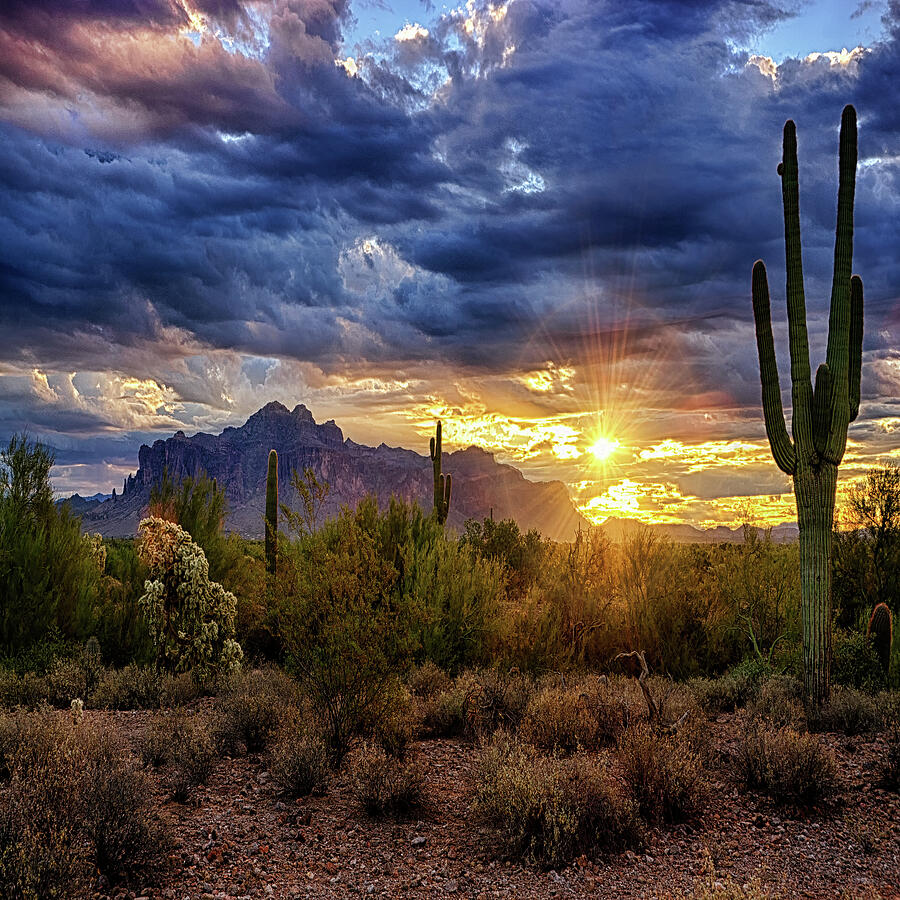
820 415
272 515
443 484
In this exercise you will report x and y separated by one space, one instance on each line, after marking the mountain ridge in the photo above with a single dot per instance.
238 457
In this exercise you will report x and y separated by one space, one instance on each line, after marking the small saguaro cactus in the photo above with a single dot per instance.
443 484
272 515
881 630
820 416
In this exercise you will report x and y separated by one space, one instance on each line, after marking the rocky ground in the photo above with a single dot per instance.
238 838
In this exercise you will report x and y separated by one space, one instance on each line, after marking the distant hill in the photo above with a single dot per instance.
237 459
616 528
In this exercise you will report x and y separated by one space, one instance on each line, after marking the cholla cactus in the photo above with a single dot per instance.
191 617
77 707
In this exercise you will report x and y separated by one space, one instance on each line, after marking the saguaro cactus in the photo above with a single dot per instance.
820 416
272 515
443 484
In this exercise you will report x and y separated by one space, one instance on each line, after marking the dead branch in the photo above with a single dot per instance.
642 680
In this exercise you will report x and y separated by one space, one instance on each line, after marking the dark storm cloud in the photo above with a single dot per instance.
541 171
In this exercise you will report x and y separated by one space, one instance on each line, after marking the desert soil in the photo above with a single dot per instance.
238 838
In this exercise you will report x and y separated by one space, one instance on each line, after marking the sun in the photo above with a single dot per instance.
603 448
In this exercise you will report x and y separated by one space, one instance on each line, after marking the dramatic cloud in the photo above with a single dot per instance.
534 218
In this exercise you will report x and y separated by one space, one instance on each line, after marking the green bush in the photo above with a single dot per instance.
347 627
551 810
733 690
386 785
787 765
397 729
662 771
855 663
49 574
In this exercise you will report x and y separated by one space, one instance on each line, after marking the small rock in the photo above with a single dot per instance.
419 841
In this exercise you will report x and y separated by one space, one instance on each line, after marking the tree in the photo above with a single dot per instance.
49 576
313 494
191 618
873 505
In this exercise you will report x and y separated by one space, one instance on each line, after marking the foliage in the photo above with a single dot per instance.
384 784
520 554
191 618
551 810
788 765
663 772
49 575
313 494
271 516
847 711
299 761
455 600
855 662
75 804
253 709
346 627
182 745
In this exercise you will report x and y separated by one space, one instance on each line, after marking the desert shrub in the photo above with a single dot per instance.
428 681
28 690
855 663
889 706
786 764
134 687
497 700
76 804
191 618
298 761
182 746
397 729
779 701
67 680
551 810
734 689
253 708
386 785
608 704
178 690
848 711
562 719
662 771
124 837
444 715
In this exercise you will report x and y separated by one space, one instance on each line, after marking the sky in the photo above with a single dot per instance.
533 219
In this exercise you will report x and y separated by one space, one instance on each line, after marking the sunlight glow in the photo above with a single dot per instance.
603 448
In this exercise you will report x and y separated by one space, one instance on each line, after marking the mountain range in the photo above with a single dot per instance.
238 457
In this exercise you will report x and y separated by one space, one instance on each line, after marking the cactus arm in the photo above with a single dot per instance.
448 490
776 429
856 335
801 385
839 316
839 320
822 408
